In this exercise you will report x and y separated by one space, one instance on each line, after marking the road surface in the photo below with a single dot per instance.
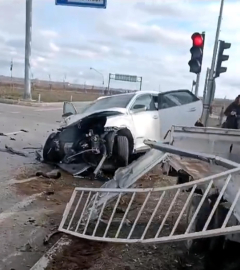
20 239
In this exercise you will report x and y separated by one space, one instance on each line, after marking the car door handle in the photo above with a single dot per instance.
155 117
192 110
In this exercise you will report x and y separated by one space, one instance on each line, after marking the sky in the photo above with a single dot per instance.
147 38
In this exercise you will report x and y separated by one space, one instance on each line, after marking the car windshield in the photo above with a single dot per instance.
119 101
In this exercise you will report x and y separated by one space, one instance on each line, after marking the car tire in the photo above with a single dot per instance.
198 245
49 152
122 150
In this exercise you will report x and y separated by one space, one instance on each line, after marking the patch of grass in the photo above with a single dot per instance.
47 95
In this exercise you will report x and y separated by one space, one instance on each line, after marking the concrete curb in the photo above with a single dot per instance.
29 103
46 259
36 104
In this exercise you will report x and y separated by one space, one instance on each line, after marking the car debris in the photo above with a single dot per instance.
109 133
54 174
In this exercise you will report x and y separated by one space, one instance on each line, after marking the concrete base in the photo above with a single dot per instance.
46 259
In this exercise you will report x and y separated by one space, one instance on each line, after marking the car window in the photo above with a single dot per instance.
184 97
146 100
69 108
168 101
176 98
119 101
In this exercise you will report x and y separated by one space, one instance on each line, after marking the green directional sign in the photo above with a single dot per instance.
126 78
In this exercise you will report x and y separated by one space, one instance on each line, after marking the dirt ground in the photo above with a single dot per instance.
84 254
55 95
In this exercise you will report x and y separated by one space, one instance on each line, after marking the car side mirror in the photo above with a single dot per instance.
139 108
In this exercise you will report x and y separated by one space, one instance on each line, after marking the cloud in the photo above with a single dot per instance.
147 38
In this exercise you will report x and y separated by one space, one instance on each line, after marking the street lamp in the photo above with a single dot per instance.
98 73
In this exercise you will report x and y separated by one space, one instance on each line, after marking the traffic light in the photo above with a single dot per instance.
196 53
221 57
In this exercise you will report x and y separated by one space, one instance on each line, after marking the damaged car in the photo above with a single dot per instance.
110 132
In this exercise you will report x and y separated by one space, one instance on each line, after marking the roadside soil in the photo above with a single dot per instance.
55 192
83 254
55 95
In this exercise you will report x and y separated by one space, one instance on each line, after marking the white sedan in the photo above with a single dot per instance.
114 128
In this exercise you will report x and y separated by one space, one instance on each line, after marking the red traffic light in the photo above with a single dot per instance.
197 40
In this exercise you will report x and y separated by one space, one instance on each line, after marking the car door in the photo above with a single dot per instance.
191 105
145 120
180 108
68 109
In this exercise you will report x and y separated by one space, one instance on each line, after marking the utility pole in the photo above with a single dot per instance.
140 83
28 40
206 105
11 68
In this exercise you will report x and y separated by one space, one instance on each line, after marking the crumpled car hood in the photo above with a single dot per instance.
107 112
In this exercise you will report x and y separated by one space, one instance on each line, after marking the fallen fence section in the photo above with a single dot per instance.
117 213
162 214
123 178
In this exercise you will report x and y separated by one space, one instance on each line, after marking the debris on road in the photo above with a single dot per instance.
54 174
12 139
38 156
23 130
33 148
31 220
10 150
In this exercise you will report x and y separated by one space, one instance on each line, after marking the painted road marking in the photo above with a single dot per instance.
13 133
48 109
15 112
16 207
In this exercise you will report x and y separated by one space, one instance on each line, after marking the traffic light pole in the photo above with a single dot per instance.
206 106
205 85
197 84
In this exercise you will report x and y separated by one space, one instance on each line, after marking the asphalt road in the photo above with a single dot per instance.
16 209
29 127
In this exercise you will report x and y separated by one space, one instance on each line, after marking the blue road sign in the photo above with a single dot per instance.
83 3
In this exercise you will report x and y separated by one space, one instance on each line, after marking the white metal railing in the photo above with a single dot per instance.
157 214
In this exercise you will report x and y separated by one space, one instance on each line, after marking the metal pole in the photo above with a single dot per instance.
28 40
206 106
140 83
91 68
205 85
197 84
109 79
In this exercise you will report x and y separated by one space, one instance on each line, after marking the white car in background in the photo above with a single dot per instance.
130 118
